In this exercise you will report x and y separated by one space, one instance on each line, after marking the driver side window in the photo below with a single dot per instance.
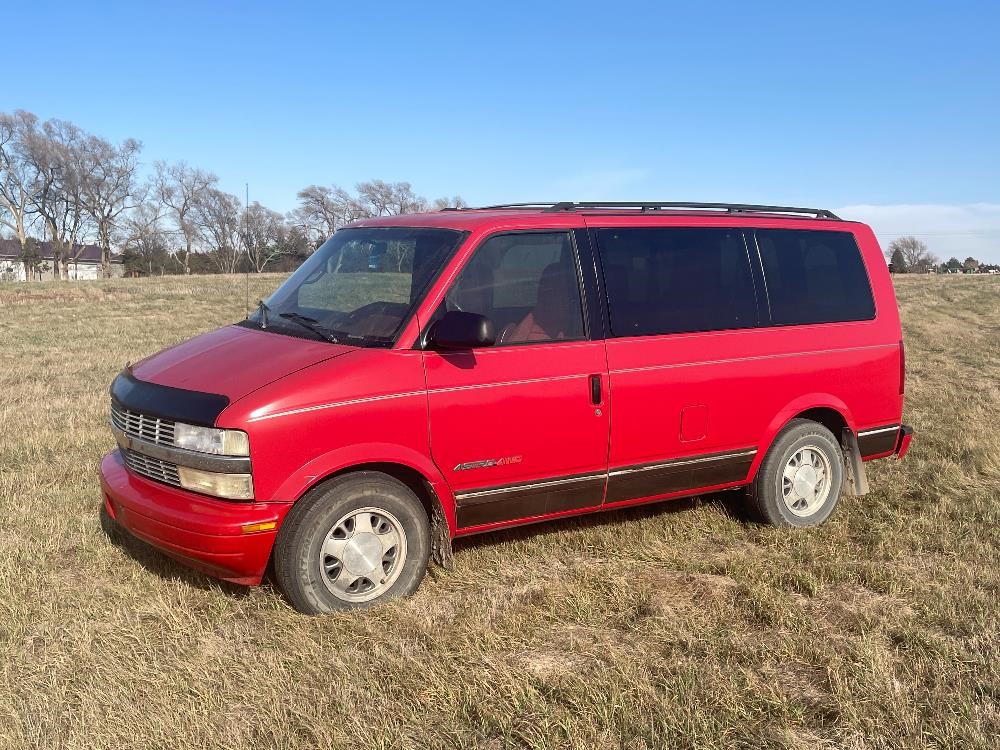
527 284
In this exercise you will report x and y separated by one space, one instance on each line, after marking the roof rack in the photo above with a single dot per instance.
649 207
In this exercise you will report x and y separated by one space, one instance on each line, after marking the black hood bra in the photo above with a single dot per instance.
166 402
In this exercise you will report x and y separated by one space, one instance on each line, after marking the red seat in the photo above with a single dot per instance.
556 314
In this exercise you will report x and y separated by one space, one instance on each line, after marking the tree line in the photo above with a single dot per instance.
910 255
62 184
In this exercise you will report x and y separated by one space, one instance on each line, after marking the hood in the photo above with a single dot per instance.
233 361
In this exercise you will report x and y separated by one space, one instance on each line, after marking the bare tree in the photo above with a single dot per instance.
180 188
382 198
457 201
376 196
217 215
262 232
355 208
142 235
57 152
915 253
321 211
110 188
18 174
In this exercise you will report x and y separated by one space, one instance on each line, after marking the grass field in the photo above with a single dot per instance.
677 625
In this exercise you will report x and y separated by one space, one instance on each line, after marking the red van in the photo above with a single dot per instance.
426 377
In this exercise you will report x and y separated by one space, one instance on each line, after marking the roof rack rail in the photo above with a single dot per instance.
530 204
645 206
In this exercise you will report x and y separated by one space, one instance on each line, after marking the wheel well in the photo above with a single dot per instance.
441 551
412 478
855 479
832 419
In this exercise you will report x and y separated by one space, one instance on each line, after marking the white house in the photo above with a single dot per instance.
84 262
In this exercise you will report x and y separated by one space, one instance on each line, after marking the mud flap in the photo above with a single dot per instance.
855 478
440 538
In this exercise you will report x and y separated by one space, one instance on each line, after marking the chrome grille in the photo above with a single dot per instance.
142 426
153 468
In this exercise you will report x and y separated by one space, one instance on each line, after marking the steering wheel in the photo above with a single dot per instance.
363 312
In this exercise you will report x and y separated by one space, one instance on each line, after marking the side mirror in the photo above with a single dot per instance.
462 330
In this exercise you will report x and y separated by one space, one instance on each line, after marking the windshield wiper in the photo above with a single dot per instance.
312 324
264 311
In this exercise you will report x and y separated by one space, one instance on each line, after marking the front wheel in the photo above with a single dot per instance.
799 481
352 542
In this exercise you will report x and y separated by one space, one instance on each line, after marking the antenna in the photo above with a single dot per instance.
246 248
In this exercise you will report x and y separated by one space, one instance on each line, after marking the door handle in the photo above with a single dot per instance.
595 389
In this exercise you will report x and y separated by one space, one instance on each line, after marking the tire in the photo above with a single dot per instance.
351 543
805 450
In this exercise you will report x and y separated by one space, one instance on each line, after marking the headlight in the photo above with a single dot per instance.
211 440
229 486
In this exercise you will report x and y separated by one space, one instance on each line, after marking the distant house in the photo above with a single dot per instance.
84 262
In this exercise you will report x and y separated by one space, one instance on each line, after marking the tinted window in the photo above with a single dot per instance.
814 277
527 284
676 280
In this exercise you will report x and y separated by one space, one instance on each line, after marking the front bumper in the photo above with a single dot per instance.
198 531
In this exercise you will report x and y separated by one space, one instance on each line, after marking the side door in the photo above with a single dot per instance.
520 429
682 315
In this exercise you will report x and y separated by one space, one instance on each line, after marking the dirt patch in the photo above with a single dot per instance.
801 682
673 591
553 666
850 606
581 637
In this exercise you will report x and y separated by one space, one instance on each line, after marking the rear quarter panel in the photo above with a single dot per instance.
852 367
750 382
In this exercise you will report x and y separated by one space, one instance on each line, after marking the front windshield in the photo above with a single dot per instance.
360 286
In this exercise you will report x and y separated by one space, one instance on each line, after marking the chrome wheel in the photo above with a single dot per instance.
805 481
363 554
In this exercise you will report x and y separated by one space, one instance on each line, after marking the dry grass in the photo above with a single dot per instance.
679 625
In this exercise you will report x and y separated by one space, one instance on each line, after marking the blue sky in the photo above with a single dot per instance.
890 111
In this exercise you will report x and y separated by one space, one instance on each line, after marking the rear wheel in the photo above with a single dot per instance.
352 542
799 481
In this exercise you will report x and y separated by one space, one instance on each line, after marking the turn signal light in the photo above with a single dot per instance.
251 528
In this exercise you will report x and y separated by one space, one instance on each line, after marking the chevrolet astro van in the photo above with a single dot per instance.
425 377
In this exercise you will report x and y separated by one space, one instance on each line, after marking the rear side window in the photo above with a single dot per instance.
676 280
814 277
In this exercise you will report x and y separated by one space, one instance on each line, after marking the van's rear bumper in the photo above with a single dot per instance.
198 531
903 441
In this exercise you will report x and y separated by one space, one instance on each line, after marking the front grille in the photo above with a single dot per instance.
142 426
153 468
